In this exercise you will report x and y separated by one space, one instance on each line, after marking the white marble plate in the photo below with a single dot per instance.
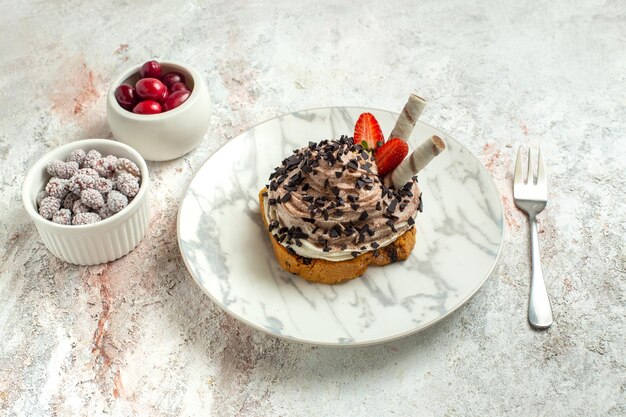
227 250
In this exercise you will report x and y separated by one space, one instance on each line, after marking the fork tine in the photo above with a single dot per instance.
541 170
530 176
518 179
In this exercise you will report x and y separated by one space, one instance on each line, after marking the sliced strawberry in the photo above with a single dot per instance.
367 132
389 156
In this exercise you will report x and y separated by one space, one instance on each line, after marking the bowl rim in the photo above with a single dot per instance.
41 164
177 66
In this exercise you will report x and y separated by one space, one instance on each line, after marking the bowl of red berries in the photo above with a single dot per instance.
161 109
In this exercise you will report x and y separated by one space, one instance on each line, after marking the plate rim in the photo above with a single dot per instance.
337 344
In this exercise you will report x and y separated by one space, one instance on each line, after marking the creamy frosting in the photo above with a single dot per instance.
326 201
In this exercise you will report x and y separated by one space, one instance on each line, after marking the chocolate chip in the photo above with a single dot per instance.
375 245
308 220
338 174
286 198
354 254
411 221
326 249
271 201
352 198
393 254
307 261
392 206
335 190
390 224
363 216
378 206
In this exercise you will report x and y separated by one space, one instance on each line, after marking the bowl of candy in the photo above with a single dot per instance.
160 108
89 200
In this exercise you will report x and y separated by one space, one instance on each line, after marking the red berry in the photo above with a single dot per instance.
178 87
151 89
173 77
389 156
150 69
147 107
126 96
368 130
175 99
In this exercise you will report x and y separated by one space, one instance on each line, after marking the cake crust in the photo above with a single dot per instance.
323 271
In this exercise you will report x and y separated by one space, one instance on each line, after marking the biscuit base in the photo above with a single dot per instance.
323 271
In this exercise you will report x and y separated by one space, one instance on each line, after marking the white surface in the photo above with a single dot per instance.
227 250
136 337
97 243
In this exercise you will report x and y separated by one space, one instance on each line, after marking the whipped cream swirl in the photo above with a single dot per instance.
326 201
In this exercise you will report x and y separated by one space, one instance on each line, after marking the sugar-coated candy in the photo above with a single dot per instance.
49 206
88 187
80 207
127 184
57 187
80 182
69 200
89 172
105 213
63 216
77 155
125 164
103 186
85 218
62 169
105 166
91 158
116 201
92 199
40 196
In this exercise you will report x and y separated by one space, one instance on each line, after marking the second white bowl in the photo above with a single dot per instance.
96 243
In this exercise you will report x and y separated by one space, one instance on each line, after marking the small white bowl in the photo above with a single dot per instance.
96 243
167 135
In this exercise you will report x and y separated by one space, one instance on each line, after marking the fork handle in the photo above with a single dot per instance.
539 308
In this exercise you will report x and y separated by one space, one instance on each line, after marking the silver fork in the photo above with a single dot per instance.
531 196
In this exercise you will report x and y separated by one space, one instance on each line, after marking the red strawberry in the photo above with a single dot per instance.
389 156
367 132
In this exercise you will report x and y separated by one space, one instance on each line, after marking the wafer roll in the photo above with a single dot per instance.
408 117
417 161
